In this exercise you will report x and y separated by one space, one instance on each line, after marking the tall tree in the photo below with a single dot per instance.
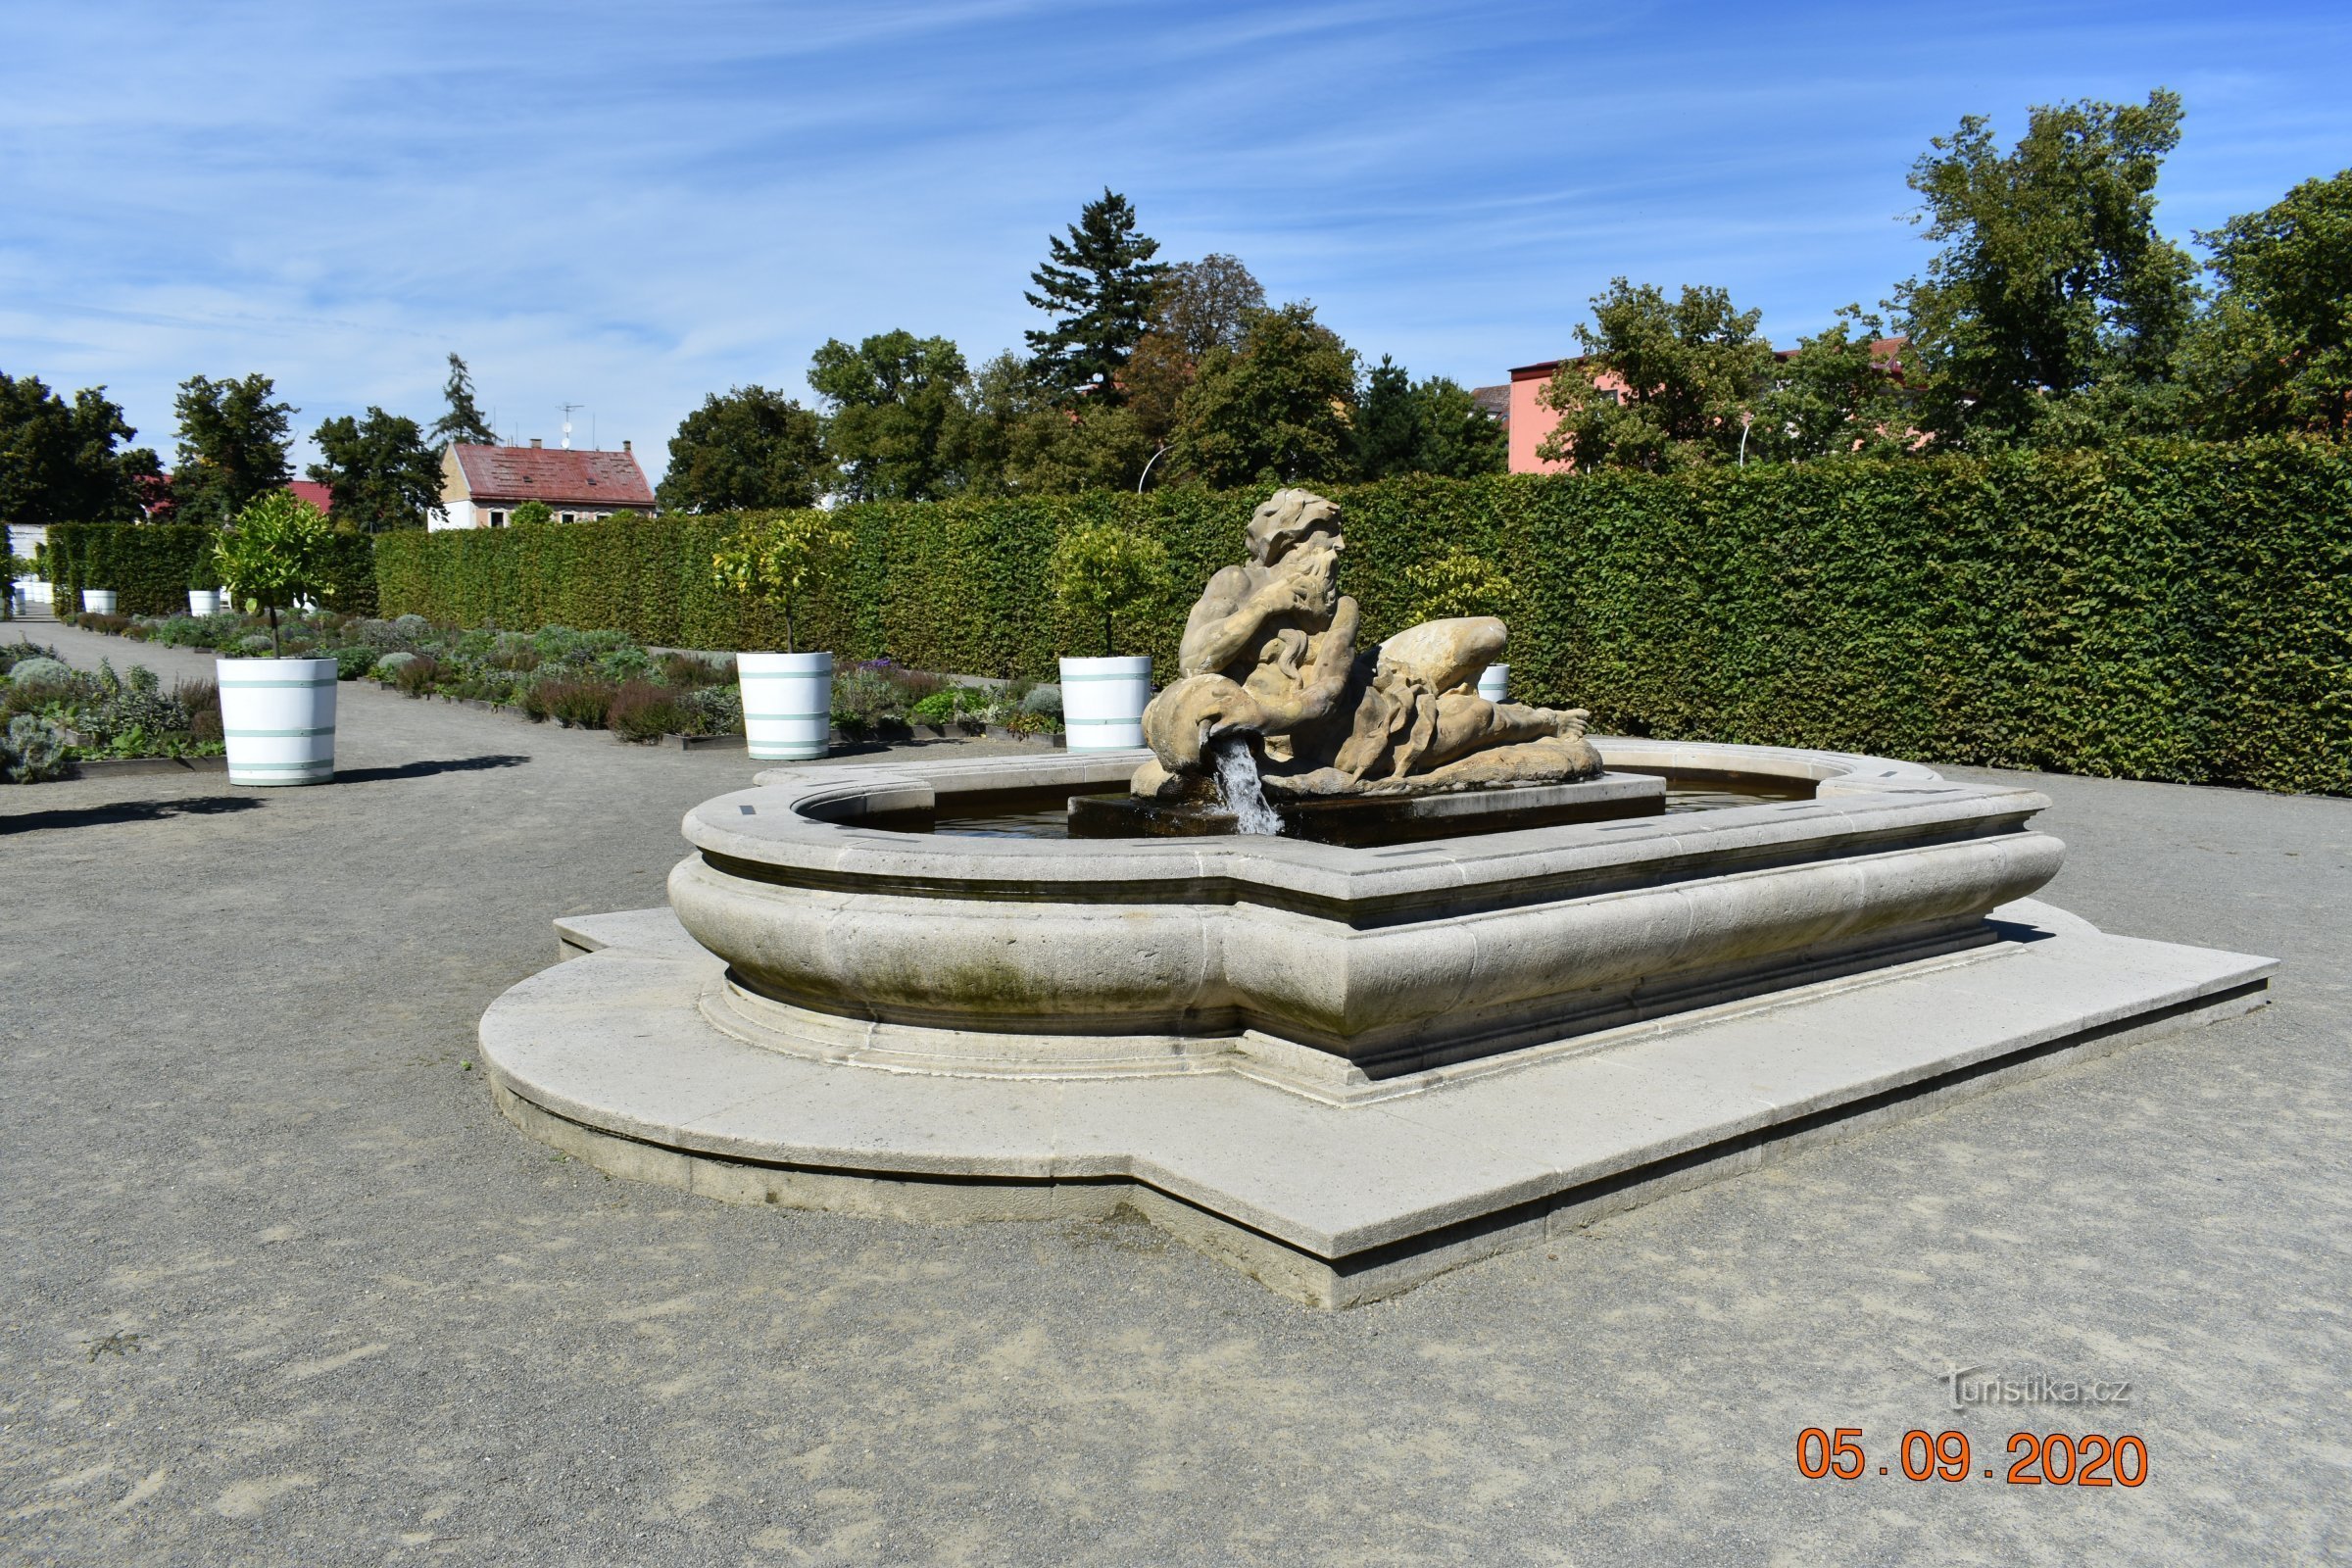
1025 442
748 448
1388 423
382 471
1680 374
2052 279
64 461
1276 411
1460 440
463 424
895 420
233 446
2275 353
1205 303
1097 285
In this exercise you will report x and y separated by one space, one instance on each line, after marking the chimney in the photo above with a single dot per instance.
624 446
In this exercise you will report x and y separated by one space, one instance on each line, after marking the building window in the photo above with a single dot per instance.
498 519
567 517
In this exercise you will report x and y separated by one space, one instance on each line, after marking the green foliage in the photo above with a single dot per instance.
59 461
2152 610
1099 285
151 566
896 418
1276 411
463 424
749 448
33 750
380 470
1682 372
1435 427
779 558
1101 568
2052 280
233 446
2276 352
1456 584
275 552
531 514
1836 395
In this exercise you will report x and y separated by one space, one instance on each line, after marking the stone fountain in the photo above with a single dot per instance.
1466 984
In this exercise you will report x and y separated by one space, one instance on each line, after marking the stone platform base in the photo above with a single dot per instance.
611 1057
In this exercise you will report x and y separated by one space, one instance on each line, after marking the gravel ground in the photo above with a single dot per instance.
282 1286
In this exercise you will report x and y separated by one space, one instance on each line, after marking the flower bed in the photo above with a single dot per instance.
53 716
599 680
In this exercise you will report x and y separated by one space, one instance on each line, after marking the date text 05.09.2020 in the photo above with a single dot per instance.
2036 1458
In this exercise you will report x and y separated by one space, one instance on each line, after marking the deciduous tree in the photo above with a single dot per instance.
1685 372
1278 409
748 448
1840 392
233 446
2052 283
896 419
2275 352
64 461
382 473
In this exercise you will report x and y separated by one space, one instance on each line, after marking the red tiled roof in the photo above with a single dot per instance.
554 475
311 490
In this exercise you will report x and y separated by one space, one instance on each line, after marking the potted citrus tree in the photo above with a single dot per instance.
787 697
277 714
1101 569
1456 584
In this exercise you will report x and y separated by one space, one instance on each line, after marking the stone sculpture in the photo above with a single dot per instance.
1269 657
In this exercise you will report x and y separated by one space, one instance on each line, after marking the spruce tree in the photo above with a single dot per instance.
1097 285
463 423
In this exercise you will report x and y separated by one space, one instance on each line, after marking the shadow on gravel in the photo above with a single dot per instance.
127 811
454 764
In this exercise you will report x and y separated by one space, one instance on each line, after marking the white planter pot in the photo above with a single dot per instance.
204 601
787 705
41 591
1495 682
1103 701
279 717
98 600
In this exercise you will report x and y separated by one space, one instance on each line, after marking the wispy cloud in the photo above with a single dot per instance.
630 206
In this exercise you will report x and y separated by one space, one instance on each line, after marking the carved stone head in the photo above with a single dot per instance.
1287 519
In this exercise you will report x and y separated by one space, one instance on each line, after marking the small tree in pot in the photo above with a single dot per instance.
1098 571
787 697
277 714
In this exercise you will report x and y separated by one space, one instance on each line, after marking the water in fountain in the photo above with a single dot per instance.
1238 785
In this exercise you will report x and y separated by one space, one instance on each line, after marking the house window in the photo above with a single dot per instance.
568 517
498 519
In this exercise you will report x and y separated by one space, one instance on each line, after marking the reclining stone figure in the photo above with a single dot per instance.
1269 655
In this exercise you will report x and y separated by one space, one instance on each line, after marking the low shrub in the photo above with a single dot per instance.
641 710
31 751
41 669
353 662
415 674
574 703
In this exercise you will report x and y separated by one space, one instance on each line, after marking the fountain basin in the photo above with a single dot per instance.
1326 969
1370 821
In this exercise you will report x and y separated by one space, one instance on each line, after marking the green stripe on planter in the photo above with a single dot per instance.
748 714
1072 680
277 734
781 674
252 685
1130 723
326 766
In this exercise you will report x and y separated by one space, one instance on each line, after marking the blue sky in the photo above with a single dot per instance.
629 207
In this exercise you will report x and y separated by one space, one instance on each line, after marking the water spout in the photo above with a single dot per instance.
1239 787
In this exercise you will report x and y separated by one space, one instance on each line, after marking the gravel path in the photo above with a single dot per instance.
282 1286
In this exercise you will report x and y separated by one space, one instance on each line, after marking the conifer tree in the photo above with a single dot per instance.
1098 285
463 424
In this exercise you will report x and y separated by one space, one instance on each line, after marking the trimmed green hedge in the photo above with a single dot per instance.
151 566
2161 610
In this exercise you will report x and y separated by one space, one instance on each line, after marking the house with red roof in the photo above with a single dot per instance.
482 486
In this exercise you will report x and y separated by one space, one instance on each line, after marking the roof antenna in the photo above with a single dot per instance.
567 408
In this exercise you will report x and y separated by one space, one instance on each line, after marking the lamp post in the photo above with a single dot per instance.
1746 419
